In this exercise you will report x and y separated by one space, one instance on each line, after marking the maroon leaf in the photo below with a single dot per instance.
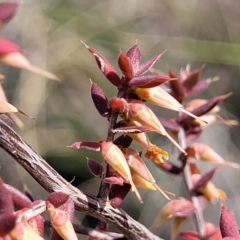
192 78
176 86
135 56
199 87
105 67
205 108
99 99
94 146
143 68
118 193
169 124
7 47
228 225
20 200
123 141
114 180
7 223
131 129
148 81
7 11
57 198
125 65
205 178
94 167
6 202
170 168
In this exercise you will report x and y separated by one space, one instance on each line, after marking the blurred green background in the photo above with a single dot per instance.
49 32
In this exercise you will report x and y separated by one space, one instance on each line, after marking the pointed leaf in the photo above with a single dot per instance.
228 225
125 65
118 193
170 168
205 178
114 180
20 200
149 81
205 108
123 141
192 78
144 67
7 11
94 167
99 99
94 146
57 198
135 56
199 87
105 67
176 87
169 124
6 202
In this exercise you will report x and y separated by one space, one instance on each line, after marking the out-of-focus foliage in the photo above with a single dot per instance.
50 32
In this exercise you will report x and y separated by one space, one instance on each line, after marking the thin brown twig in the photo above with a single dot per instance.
199 220
49 179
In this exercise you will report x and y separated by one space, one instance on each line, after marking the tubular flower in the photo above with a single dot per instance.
153 151
140 173
139 112
116 159
158 96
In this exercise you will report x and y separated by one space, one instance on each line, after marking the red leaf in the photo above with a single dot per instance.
94 146
228 225
148 81
134 55
125 65
169 124
118 193
123 141
205 108
20 200
57 198
176 87
94 167
143 68
192 78
7 47
7 11
7 223
205 178
199 87
99 99
105 67
6 202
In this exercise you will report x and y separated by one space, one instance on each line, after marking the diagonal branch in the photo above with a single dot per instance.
49 179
